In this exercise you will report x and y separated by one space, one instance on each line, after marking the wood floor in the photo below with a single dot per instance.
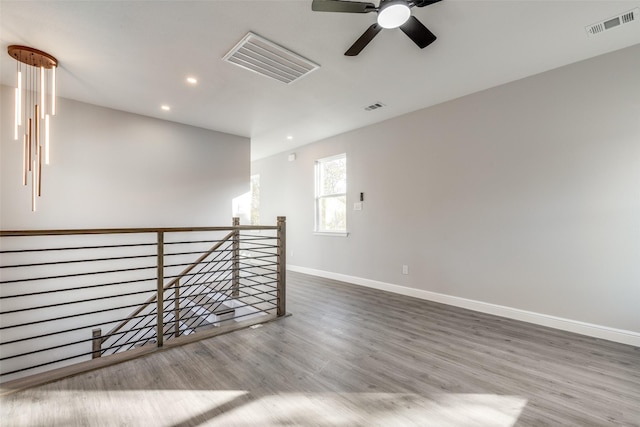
353 356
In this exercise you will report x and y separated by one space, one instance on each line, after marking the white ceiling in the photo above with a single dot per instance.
135 55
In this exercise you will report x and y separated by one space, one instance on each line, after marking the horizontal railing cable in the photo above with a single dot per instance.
78 261
60 289
80 301
63 331
77 288
71 248
67 276
70 316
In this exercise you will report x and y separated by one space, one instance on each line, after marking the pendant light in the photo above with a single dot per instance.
35 103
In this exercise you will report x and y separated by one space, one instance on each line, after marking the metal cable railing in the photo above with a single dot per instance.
60 289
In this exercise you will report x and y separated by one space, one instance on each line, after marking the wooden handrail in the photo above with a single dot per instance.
167 286
238 267
71 232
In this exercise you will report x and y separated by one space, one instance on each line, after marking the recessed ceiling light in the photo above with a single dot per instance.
289 137
192 80
165 108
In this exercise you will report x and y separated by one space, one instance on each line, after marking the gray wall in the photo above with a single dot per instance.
109 169
526 195
114 169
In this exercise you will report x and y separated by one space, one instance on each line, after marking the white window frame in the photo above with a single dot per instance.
318 197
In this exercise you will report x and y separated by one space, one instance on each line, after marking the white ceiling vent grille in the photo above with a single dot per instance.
616 21
267 58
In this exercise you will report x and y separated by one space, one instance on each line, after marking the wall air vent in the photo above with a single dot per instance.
616 21
268 59
374 106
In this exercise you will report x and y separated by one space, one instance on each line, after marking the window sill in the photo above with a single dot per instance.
332 233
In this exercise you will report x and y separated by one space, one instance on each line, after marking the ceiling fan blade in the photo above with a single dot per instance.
423 3
342 6
364 40
418 32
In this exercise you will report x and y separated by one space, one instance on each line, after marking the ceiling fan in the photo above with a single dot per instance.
391 14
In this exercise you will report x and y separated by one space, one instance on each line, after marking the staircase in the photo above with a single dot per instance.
225 285
60 289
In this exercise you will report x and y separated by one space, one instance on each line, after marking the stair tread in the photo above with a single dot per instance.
211 304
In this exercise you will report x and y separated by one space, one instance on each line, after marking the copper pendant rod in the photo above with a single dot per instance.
30 145
39 173
25 160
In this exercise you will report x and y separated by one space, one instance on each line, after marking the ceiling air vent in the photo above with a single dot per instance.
374 106
267 58
616 21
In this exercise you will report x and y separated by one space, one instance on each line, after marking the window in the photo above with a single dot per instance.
247 206
331 194
255 200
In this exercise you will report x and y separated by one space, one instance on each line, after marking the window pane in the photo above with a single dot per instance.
332 212
247 205
255 199
333 176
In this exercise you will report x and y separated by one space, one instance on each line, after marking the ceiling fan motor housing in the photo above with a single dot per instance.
393 13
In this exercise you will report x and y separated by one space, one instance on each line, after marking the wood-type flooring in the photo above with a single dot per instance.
354 356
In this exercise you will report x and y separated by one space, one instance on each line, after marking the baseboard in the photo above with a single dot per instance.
588 329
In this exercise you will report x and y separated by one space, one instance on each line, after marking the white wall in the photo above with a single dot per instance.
114 169
525 196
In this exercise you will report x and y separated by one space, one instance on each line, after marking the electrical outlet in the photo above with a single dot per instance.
291 254
405 269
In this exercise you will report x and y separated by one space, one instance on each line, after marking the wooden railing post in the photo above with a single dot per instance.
176 308
152 299
235 282
160 299
96 343
282 265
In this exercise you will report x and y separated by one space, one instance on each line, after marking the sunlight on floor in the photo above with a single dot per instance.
379 409
240 408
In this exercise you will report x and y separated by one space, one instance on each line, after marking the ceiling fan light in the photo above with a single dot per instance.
392 15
